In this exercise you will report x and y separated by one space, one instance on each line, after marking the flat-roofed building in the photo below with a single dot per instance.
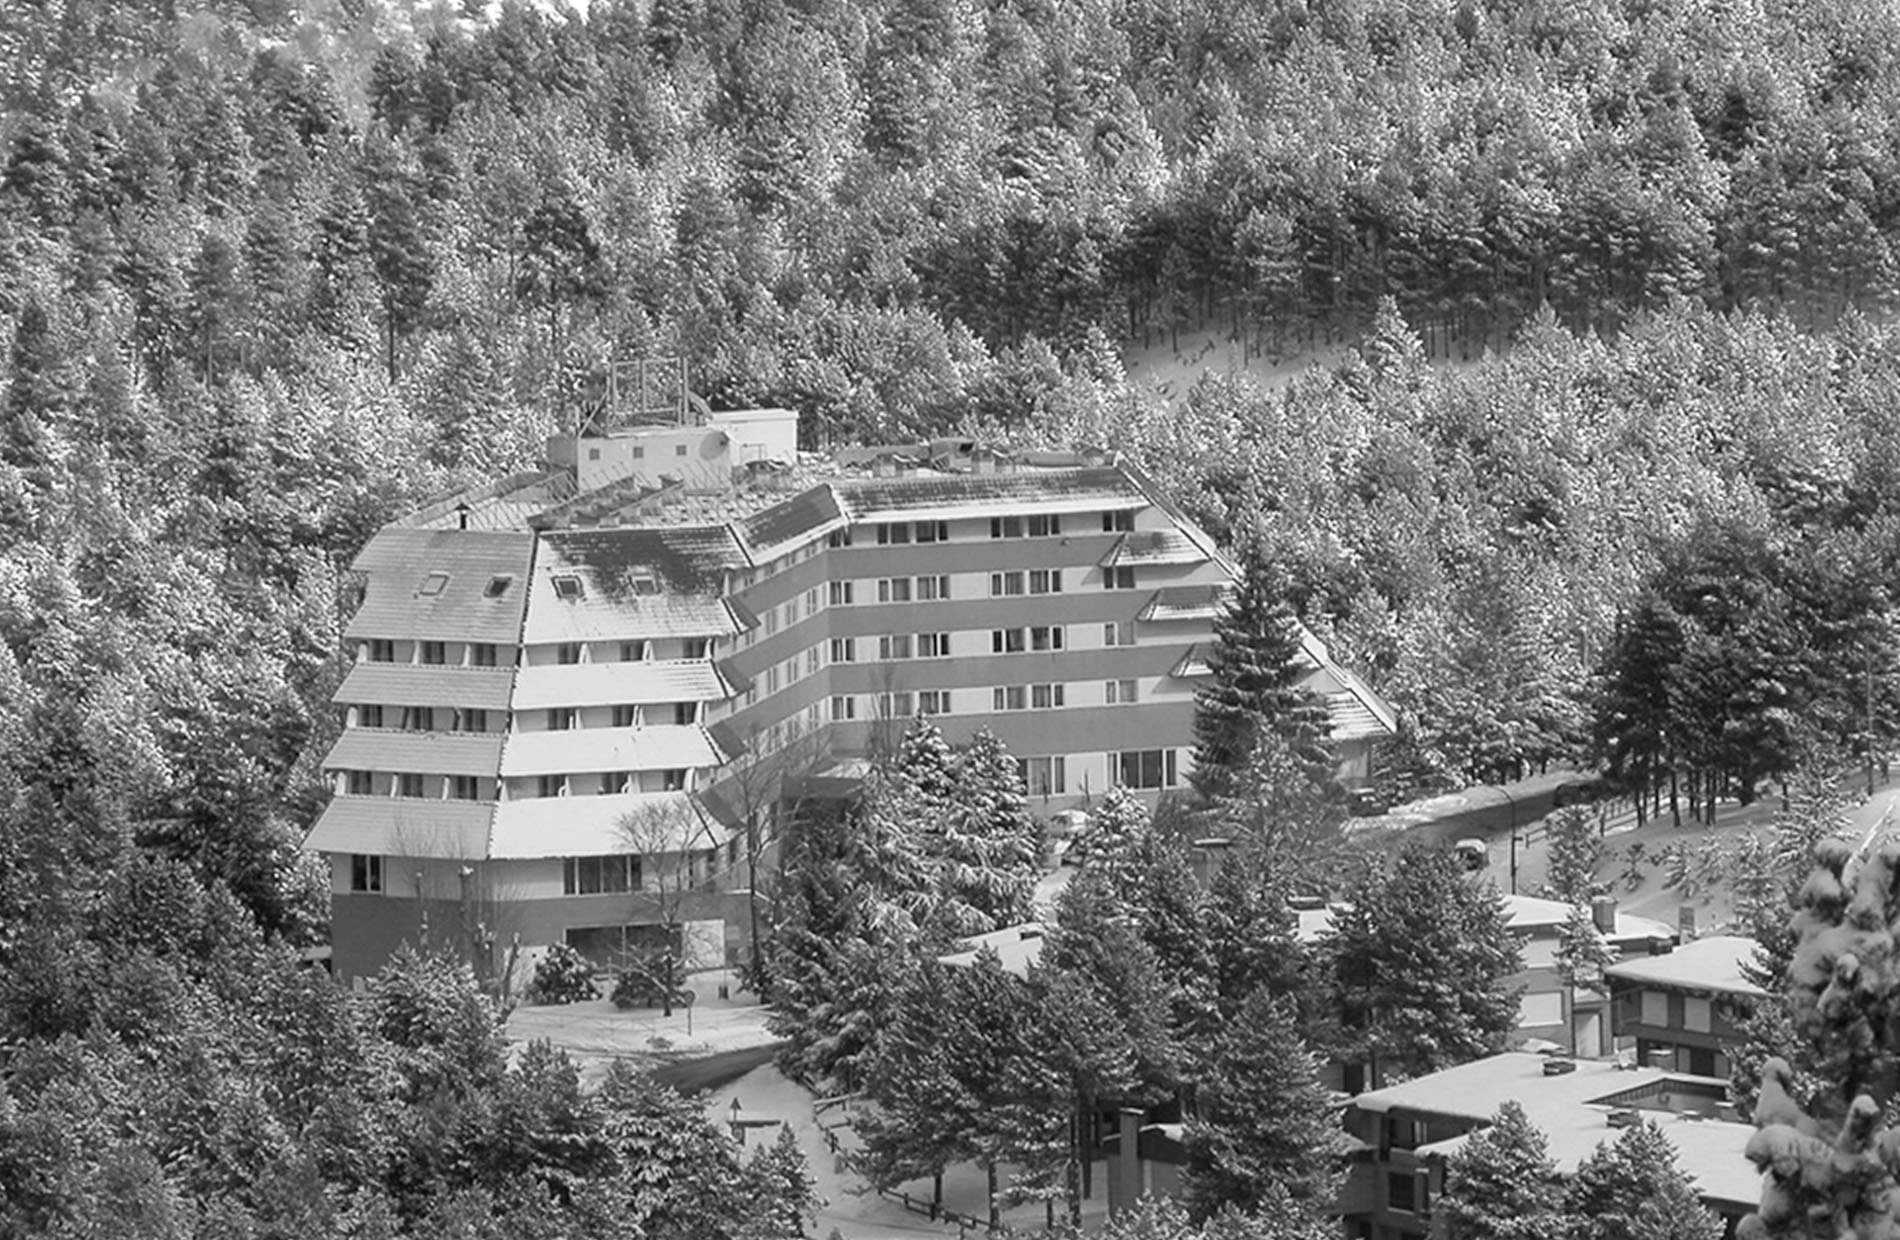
578 694
1684 1009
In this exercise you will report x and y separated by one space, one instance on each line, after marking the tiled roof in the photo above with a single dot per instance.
1003 494
799 519
613 684
427 753
1192 664
685 567
658 748
399 563
410 684
1153 547
1184 603
599 825
403 827
1569 1109
1351 719
1712 965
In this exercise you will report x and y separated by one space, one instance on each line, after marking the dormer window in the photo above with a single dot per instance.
568 587
497 586
433 585
646 583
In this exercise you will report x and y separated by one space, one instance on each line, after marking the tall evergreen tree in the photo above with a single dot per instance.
1632 1189
1254 687
1501 1184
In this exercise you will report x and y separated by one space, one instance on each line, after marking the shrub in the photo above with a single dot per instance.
563 976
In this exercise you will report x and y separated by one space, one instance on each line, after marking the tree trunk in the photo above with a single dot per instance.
1675 805
996 1214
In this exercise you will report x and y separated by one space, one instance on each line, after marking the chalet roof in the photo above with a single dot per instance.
1708 966
410 684
428 753
437 584
661 582
657 748
615 684
1153 547
596 826
403 827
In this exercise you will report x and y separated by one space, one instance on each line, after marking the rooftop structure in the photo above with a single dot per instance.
1685 1009
697 610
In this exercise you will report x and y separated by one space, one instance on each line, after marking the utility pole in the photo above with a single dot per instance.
1512 802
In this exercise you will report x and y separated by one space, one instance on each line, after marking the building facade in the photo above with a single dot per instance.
1684 1010
580 695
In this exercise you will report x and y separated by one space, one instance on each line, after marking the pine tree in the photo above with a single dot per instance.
1254 686
1251 934
983 840
1501 1184
1633 1190
1420 960
1263 1121
1111 833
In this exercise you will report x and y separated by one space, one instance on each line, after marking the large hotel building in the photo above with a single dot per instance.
578 694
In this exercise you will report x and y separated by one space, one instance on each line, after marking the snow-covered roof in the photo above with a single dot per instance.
1712 966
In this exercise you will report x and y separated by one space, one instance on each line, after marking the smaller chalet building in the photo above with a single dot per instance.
1682 1009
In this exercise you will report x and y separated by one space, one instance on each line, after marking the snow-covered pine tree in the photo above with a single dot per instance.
1501 1185
1631 1189
985 845
1255 685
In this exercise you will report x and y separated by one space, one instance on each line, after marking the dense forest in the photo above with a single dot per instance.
270 273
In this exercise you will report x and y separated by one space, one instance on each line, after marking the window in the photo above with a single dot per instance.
595 876
893 532
1118 522
931 589
366 873
679 449
1118 634
554 785
433 585
812 601
482 654
1401 1133
1119 693
844 650
933 702
1045 581
645 583
838 538
1143 768
435 653
933 645
811 661
1046 637
771 621
1119 578
361 783
893 590
417 718
698 648
791 613
593 454
639 452
1401 1191
497 586
568 652
1045 525
635 652
771 679
897 705
470 719
382 650
896 646
408 785
626 716
562 718
1045 697
466 788
1043 777
685 712
1007 641
1006 527
933 531
567 587
843 706
840 594
1009 697
1004 584
673 779
369 716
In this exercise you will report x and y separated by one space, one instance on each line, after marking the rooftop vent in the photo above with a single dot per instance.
1559 1065
1625 1117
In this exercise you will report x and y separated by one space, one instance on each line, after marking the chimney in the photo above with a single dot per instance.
1603 912
461 515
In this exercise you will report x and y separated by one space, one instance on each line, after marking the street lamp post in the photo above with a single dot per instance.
1512 802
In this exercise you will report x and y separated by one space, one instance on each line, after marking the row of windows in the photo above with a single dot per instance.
567 718
607 783
412 784
1035 525
614 874
435 654
488 654
1003 698
639 650
559 719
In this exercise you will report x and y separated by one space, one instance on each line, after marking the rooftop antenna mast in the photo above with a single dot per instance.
641 391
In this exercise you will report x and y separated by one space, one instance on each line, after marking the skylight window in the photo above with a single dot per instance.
568 587
433 584
497 586
646 584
